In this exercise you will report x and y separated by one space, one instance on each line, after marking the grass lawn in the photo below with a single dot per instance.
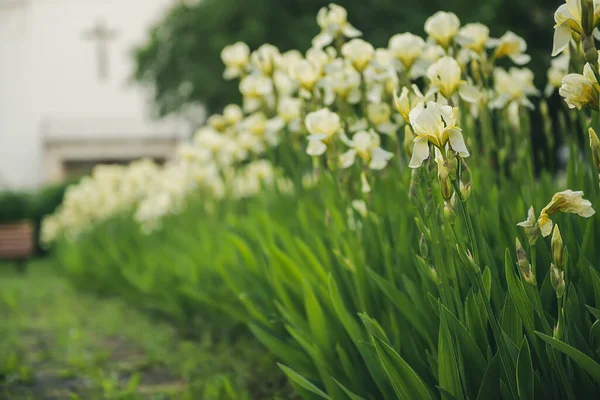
56 343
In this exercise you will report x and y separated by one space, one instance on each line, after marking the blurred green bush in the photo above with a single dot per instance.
16 206
181 61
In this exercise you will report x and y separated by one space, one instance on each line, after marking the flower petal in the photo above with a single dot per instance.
499 102
468 93
231 73
365 187
530 222
321 40
345 139
586 209
354 96
275 124
351 32
414 113
387 128
562 36
251 104
492 42
295 125
574 9
520 59
317 136
420 152
329 96
347 159
457 142
315 148
379 158
545 225
427 121
360 125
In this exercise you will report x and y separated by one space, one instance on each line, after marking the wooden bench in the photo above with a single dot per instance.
17 242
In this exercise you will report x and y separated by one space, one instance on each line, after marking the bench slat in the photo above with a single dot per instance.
16 240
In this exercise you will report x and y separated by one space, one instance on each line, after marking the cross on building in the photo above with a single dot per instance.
102 35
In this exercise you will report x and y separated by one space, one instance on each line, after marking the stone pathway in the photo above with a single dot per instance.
58 344
109 367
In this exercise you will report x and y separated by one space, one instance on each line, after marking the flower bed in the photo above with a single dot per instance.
370 215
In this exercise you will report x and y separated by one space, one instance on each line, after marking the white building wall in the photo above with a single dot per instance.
48 71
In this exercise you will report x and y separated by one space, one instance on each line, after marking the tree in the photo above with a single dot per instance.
181 59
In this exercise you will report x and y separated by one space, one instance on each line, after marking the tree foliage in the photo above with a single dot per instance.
181 59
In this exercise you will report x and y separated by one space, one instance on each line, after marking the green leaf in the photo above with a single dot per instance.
352 396
317 321
596 283
286 264
323 365
560 372
253 310
358 335
572 306
352 327
281 349
490 387
588 238
576 338
311 259
302 382
133 382
475 324
448 368
595 336
470 352
244 250
404 305
487 282
586 363
519 297
407 384
446 395
595 312
505 390
373 327
510 321
525 377
351 365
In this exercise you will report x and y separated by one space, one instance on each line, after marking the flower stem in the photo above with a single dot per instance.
467 221
537 303
503 350
505 356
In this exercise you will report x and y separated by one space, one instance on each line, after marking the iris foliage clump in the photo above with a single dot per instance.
373 215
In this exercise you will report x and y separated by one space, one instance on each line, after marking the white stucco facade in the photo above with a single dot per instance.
50 89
